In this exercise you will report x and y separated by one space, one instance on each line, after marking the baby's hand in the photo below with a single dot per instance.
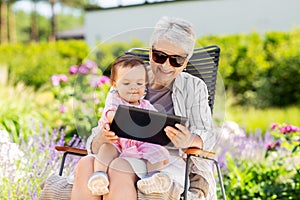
106 126
109 135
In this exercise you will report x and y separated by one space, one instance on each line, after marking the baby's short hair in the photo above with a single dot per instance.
129 61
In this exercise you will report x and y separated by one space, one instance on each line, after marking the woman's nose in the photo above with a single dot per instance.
166 64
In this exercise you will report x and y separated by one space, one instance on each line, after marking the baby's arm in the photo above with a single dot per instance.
110 115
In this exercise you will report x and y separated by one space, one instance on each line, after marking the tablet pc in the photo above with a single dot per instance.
143 125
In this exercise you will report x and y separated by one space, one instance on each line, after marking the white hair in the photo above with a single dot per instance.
177 31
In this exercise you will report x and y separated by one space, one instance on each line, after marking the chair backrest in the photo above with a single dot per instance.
203 64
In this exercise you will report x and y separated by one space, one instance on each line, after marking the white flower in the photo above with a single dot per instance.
4 137
9 155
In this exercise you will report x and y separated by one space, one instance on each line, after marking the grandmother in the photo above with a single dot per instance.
172 91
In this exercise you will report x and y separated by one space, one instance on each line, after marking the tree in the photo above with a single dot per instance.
3 22
7 22
12 34
71 3
34 23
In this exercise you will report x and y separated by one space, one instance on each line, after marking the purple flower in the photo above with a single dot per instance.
73 69
103 80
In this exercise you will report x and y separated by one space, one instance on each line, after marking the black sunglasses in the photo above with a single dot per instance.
161 57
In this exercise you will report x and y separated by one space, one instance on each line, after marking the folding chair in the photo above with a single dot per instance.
203 64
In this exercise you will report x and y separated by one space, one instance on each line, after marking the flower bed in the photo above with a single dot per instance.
254 167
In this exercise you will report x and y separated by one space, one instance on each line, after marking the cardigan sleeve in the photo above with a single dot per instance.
190 99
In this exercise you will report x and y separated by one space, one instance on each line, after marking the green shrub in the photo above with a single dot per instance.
20 105
34 63
260 70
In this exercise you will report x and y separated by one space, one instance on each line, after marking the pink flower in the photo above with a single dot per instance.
83 69
90 64
288 129
274 126
73 69
62 109
282 130
63 78
295 128
96 101
55 80
103 80
273 145
94 81
269 146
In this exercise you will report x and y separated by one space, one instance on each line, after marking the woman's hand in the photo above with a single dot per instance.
182 137
110 136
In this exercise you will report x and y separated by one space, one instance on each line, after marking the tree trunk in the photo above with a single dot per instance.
12 33
53 21
34 24
3 22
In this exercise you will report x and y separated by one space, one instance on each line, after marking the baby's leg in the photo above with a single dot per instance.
152 167
106 153
98 182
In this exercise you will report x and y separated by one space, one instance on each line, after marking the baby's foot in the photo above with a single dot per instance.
156 183
98 183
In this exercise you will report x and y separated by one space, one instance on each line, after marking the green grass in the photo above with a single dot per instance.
252 119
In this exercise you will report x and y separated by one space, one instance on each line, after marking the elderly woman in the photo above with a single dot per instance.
172 91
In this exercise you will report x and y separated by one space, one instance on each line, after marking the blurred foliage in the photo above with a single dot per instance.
106 53
261 180
20 105
250 118
80 96
34 63
260 70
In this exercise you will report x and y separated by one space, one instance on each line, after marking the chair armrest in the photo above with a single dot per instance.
194 151
71 150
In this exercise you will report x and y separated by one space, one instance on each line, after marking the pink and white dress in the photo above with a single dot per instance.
129 148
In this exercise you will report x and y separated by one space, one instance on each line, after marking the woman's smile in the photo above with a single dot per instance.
165 72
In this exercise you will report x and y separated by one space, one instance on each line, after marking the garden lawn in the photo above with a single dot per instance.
252 119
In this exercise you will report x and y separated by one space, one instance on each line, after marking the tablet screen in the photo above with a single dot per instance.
143 125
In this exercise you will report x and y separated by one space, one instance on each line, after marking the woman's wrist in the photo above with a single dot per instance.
196 141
